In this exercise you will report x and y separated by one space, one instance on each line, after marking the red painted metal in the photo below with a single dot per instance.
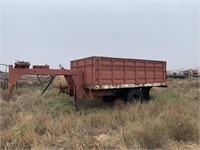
40 66
117 71
74 77
100 76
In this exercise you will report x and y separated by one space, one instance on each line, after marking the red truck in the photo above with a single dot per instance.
130 79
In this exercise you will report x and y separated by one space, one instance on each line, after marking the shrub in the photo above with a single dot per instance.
17 138
182 128
9 112
31 121
149 135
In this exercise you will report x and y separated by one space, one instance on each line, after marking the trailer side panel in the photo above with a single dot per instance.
103 71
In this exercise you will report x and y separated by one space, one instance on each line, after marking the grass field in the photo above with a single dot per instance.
169 121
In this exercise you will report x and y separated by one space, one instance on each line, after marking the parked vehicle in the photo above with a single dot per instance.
130 79
191 73
183 74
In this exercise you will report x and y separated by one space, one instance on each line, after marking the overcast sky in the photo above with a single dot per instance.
56 31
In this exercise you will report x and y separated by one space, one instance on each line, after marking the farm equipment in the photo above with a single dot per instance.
183 74
130 79
22 64
191 73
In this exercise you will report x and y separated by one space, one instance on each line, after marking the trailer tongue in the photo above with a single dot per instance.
130 79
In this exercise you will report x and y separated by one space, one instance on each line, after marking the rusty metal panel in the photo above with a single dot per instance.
102 71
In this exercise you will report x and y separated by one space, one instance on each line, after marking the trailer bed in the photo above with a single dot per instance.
113 73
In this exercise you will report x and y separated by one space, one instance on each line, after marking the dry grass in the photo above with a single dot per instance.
32 121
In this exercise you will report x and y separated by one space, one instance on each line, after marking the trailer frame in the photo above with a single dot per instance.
87 79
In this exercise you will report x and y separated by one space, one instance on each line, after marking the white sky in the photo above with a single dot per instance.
55 32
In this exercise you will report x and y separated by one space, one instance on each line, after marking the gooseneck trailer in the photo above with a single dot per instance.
92 77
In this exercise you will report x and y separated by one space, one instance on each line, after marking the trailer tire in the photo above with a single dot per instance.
134 96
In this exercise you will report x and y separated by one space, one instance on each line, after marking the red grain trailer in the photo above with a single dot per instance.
130 79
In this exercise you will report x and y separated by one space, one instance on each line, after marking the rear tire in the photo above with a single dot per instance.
134 96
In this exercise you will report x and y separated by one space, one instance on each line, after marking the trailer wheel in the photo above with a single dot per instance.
134 96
